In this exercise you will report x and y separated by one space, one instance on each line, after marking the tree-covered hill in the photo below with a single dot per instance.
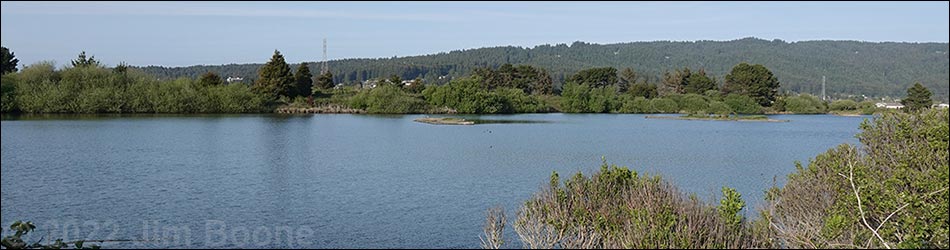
851 67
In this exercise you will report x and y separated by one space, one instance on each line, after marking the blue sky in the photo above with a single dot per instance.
191 33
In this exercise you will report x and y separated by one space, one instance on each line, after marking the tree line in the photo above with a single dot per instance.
852 68
86 86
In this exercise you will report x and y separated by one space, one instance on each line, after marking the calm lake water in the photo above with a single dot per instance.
333 181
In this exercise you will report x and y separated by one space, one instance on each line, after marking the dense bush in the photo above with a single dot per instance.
8 94
693 103
42 89
387 99
638 105
468 97
897 186
664 105
742 104
618 208
843 105
804 104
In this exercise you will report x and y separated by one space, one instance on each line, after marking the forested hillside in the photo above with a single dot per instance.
872 69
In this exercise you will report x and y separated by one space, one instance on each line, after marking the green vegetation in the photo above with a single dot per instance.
619 208
303 81
387 99
918 97
748 89
804 104
274 78
8 60
851 67
892 192
90 88
755 81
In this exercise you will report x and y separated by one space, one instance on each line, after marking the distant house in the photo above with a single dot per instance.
889 105
368 84
232 79
406 82
941 106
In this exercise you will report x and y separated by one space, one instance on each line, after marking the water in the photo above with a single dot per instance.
334 181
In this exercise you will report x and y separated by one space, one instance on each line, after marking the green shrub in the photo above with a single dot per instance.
843 105
664 105
42 89
387 99
619 208
901 178
637 105
8 94
742 104
603 100
575 98
804 104
693 103
718 108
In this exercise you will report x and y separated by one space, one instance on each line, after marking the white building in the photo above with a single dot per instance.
889 105
941 106
234 79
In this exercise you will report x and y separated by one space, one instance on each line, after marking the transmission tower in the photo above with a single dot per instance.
326 67
823 97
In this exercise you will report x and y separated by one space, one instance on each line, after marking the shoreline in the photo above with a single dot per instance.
739 119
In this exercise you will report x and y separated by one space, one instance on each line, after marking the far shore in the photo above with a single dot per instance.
711 118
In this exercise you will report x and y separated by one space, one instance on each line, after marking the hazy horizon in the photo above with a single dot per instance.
174 34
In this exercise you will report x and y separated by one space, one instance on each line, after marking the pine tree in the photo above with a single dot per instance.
918 97
324 81
82 61
210 79
121 68
699 83
274 78
755 81
8 60
675 82
304 80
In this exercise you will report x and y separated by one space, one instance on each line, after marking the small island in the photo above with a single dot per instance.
751 118
445 121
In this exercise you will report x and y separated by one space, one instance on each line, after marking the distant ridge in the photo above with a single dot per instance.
875 69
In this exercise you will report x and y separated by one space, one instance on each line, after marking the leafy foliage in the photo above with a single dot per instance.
804 104
619 208
525 77
894 194
752 80
210 79
596 77
387 99
40 88
742 104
